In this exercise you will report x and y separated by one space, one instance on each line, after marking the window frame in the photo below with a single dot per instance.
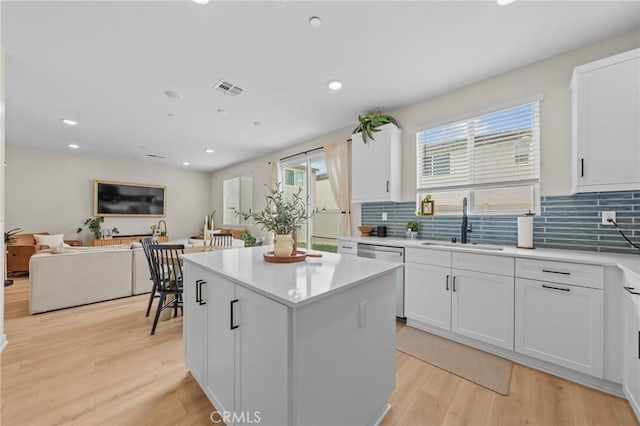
471 188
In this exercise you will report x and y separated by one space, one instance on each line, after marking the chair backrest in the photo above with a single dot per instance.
167 266
222 240
146 242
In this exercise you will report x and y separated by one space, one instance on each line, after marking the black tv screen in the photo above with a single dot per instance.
128 199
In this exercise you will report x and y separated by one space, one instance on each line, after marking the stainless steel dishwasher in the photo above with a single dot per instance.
395 254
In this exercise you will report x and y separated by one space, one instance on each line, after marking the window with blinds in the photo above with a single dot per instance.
493 159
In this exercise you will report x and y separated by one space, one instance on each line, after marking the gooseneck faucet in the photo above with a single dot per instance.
464 229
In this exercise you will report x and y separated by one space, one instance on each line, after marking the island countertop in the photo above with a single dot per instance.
292 284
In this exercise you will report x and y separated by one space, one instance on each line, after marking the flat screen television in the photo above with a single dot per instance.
128 199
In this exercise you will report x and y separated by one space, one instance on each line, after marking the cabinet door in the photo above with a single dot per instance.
375 166
428 294
194 321
482 307
220 341
262 361
607 127
561 324
631 353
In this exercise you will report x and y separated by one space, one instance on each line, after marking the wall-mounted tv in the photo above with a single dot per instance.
128 199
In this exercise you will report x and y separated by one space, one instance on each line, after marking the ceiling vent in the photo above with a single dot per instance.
156 156
228 88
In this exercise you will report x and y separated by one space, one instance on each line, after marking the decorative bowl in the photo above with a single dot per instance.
365 231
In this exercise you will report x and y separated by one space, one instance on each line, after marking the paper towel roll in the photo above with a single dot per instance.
525 232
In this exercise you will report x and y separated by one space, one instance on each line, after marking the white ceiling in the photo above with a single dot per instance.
107 65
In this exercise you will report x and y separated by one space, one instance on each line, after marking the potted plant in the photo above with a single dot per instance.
249 240
371 123
412 229
95 226
8 238
282 215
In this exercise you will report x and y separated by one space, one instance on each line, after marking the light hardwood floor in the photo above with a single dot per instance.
97 364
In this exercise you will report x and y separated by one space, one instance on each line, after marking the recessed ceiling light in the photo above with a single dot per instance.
335 85
201 1
209 151
257 123
222 111
73 146
185 163
505 2
315 22
69 122
171 115
173 94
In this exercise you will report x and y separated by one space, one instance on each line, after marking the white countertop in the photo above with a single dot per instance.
629 263
293 284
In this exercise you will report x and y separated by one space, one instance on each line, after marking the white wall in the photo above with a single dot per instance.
53 191
550 77
3 337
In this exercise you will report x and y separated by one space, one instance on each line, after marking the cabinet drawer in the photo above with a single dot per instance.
498 265
428 257
347 247
561 272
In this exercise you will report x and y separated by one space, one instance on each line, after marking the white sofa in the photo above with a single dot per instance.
82 275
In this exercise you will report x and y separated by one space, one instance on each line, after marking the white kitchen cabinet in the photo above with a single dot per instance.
482 306
605 125
560 323
194 324
427 294
376 167
465 300
242 328
631 351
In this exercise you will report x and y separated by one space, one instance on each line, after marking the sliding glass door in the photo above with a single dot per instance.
308 174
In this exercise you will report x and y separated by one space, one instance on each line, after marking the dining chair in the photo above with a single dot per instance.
222 240
167 276
146 242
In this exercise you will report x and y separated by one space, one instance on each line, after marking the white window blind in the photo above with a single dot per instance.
482 156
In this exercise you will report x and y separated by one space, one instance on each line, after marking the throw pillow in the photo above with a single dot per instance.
49 240
57 249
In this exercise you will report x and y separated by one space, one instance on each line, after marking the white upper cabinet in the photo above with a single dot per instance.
376 166
606 124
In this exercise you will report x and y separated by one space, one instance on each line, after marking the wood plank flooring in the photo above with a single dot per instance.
98 365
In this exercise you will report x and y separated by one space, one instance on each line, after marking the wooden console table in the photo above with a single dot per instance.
126 239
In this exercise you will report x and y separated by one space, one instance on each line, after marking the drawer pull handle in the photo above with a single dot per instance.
549 271
447 285
348 247
555 288
232 326
199 291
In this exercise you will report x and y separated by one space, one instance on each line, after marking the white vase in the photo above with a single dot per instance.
282 245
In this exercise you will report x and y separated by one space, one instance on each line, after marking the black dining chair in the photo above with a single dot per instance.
167 276
222 240
146 242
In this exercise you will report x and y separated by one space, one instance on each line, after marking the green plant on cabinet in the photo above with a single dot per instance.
94 224
371 123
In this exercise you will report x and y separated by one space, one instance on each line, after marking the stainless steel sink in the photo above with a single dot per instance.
471 245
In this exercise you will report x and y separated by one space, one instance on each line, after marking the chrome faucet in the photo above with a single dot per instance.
464 229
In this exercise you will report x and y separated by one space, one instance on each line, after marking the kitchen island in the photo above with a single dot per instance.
291 344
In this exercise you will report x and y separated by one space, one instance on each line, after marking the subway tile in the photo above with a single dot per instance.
570 222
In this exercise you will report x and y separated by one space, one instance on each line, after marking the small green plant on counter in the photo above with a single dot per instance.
249 240
94 224
413 226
